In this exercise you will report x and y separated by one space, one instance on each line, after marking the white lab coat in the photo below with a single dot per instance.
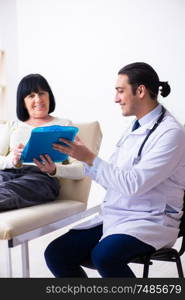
144 198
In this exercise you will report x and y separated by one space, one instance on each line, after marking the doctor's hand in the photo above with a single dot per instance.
46 165
76 150
17 155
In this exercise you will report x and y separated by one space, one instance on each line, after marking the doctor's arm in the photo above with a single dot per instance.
154 167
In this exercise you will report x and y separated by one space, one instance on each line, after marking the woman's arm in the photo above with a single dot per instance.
73 170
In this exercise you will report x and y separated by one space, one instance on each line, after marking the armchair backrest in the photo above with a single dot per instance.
90 133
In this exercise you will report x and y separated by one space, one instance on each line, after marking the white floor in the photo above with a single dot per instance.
38 267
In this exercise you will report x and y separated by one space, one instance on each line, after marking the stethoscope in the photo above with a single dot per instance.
159 120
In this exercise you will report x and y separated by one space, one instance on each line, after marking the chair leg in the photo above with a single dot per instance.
25 260
9 262
146 269
179 267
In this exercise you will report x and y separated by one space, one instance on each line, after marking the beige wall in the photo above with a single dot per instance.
9 42
79 45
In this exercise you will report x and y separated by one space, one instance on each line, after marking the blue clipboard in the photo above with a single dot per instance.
41 140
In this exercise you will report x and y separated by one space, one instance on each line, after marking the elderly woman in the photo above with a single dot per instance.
28 185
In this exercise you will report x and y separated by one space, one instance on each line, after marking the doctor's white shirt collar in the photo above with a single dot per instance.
151 115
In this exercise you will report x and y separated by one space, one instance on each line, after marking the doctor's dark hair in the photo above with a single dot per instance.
141 73
32 83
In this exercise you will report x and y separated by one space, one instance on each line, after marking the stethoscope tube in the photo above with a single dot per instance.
159 120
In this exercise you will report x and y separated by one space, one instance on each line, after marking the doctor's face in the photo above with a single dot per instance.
130 103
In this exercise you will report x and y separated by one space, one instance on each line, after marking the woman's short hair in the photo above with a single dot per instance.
32 83
142 73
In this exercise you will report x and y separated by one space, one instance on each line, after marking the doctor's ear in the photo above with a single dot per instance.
141 91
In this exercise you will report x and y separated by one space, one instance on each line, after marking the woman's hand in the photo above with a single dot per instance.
76 150
17 155
47 165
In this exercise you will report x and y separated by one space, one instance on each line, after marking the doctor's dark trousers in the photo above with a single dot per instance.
82 247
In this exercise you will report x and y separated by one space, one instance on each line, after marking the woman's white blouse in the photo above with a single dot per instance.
16 132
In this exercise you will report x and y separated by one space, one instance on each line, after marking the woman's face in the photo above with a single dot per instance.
37 104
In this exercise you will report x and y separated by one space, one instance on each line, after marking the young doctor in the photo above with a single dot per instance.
144 181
